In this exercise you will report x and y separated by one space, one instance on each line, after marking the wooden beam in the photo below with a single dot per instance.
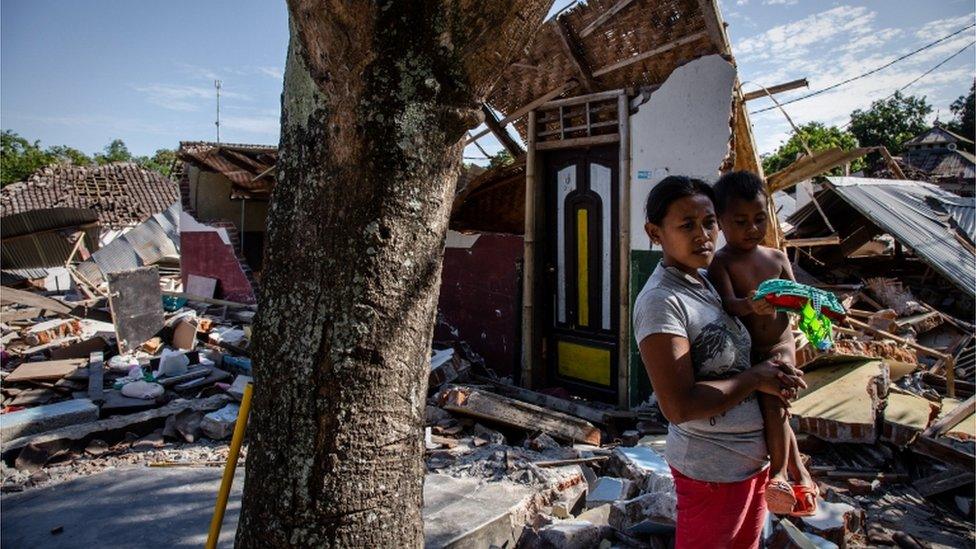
580 99
895 168
33 300
919 348
779 88
816 241
604 17
500 133
943 452
551 94
953 418
578 142
572 51
714 26
939 483
553 403
482 404
20 314
650 53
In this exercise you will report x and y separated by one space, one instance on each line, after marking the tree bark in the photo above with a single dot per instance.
377 96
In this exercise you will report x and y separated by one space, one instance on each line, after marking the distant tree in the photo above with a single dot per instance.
19 158
503 158
63 154
116 151
890 122
161 162
818 137
963 109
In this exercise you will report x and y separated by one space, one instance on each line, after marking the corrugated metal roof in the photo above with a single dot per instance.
942 162
962 210
899 207
42 238
145 244
42 220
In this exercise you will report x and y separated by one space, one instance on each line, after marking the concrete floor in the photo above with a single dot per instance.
149 507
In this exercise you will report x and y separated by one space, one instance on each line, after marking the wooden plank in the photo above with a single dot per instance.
953 418
33 300
500 133
42 371
554 403
577 142
604 17
20 314
96 371
944 481
650 53
137 306
920 348
895 168
779 88
519 113
944 452
485 405
580 99
816 241
571 50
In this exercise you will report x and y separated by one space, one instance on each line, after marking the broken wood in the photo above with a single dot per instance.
942 482
500 133
485 405
554 403
551 94
577 461
47 370
571 49
943 451
831 240
953 418
892 165
20 314
779 88
33 300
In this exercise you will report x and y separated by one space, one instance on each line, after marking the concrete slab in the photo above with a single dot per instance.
171 507
45 418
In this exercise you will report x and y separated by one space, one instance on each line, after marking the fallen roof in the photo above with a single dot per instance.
942 162
610 44
935 135
900 208
250 168
122 194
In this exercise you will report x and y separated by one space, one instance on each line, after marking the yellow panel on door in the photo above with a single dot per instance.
584 362
582 267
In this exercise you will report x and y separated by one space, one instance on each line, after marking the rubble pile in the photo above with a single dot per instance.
79 398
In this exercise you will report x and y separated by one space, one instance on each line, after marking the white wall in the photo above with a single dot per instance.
683 129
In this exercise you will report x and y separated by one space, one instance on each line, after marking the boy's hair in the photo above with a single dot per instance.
672 188
744 185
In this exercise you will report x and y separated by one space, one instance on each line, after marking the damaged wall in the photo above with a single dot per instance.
210 198
683 129
479 296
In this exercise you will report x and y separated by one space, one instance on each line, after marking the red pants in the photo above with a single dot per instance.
720 514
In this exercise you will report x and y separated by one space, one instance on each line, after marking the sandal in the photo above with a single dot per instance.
780 497
806 500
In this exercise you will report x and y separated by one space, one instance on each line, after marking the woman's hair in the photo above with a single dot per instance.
671 188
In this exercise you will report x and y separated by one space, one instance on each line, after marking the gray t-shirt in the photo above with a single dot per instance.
728 447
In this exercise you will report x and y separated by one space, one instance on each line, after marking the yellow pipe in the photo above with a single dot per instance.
235 449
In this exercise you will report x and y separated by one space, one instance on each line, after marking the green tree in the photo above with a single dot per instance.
63 154
963 110
890 122
19 158
503 158
116 151
161 162
818 137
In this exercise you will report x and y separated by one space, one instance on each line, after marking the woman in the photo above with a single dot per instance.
697 357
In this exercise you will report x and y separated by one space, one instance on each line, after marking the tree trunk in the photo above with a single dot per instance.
376 99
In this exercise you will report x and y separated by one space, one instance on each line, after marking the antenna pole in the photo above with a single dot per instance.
217 123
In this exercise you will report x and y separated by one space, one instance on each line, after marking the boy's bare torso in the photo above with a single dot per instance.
746 271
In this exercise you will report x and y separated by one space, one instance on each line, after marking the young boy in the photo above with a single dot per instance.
736 271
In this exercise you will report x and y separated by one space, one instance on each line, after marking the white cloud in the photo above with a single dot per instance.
273 72
183 98
941 27
794 40
779 2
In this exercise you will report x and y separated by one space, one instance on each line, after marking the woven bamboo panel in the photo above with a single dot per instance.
641 26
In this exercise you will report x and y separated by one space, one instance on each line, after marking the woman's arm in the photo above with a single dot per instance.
667 358
735 306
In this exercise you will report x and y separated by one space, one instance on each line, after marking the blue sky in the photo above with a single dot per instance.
83 73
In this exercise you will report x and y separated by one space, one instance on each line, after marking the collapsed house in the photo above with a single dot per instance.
946 158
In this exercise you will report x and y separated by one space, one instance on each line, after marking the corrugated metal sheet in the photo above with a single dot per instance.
145 244
169 222
150 242
46 219
116 256
900 208
962 210
12 276
40 238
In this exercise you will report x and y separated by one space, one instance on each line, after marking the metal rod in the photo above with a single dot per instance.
235 449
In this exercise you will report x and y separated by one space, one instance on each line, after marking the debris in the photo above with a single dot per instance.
219 424
111 425
905 416
16 425
609 490
29 299
137 306
96 371
200 285
833 521
185 335
47 370
143 389
172 363
469 401
573 534
842 398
